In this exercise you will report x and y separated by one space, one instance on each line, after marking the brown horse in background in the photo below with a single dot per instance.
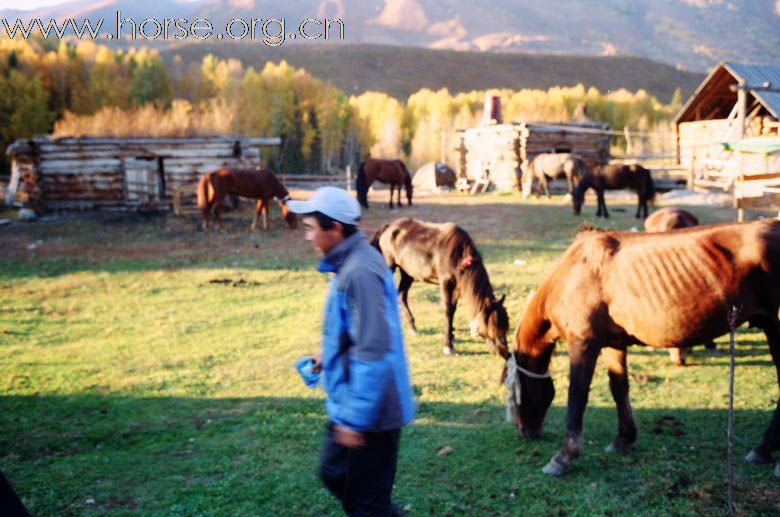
444 254
612 289
547 166
670 218
611 177
664 220
392 172
262 185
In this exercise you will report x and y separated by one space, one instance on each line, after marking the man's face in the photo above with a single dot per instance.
323 240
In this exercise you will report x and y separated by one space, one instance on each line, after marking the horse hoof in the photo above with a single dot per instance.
756 458
448 350
613 448
555 468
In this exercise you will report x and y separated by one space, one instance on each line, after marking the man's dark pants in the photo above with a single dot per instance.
361 478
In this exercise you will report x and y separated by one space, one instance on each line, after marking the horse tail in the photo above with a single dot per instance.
650 187
361 185
203 191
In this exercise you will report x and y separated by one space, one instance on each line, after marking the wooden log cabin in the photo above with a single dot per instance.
85 173
736 101
497 152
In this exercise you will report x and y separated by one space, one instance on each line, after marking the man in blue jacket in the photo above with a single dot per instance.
363 363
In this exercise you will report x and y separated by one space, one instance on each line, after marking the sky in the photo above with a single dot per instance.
28 4
33 4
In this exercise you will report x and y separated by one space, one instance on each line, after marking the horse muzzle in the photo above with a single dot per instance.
530 434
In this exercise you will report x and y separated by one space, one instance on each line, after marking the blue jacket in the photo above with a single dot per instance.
364 369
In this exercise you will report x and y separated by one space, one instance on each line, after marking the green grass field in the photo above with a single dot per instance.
147 368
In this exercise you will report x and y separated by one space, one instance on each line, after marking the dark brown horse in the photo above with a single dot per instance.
611 290
611 177
392 172
664 220
547 166
444 254
262 185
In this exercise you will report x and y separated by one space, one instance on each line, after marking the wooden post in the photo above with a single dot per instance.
13 184
349 178
629 147
741 113
177 202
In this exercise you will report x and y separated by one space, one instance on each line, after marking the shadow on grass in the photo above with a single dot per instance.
92 454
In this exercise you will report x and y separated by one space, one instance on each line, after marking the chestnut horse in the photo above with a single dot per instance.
444 254
393 172
664 220
550 166
262 185
611 177
612 289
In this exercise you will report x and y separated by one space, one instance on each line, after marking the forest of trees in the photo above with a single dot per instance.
81 88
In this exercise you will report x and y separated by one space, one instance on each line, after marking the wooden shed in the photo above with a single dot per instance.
735 101
498 152
87 172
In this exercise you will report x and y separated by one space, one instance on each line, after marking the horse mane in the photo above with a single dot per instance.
407 174
582 185
279 188
586 228
472 276
377 236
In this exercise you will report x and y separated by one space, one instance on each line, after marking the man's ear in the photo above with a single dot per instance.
338 226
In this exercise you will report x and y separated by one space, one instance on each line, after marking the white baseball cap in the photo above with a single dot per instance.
334 202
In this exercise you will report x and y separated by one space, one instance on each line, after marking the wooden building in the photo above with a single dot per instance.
83 173
499 152
736 101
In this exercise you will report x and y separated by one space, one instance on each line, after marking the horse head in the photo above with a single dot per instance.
492 323
530 396
578 195
289 217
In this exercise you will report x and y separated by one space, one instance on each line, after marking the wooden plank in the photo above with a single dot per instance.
194 140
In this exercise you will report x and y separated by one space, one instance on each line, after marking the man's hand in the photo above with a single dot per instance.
348 437
317 360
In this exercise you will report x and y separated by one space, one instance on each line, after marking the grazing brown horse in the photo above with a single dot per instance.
548 166
444 254
612 289
664 220
392 172
669 218
614 176
262 185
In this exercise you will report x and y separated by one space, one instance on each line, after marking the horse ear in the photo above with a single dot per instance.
501 301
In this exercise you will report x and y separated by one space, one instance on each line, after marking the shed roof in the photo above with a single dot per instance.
715 89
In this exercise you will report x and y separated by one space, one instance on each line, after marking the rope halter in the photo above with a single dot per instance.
513 384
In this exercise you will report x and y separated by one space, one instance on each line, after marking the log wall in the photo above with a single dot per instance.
501 150
92 172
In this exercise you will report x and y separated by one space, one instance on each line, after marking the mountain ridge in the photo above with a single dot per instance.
688 34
